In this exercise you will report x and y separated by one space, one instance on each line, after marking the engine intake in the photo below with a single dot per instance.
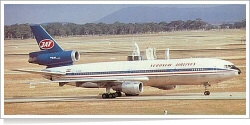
132 88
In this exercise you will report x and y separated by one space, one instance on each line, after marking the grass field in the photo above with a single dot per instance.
224 44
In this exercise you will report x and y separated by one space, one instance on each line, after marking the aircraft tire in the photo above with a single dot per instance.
118 94
113 95
104 95
110 95
206 93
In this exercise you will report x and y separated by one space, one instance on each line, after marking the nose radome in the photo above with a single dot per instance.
236 68
239 71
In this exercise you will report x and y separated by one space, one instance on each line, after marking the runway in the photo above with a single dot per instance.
173 96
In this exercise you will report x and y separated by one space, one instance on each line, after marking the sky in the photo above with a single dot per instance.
75 13
79 14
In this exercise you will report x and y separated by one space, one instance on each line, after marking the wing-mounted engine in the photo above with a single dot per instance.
131 88
168 87
55 59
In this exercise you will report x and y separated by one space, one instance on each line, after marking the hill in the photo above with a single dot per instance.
142 14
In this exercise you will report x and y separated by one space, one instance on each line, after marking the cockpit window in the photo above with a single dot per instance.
232 67
229 66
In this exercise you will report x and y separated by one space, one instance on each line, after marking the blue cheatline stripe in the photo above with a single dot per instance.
150 71
150 74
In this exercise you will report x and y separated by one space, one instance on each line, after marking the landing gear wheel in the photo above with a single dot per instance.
206 93
118 94
104 95
110 95
113 95
206 85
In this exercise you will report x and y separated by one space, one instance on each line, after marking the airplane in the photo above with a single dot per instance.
128 77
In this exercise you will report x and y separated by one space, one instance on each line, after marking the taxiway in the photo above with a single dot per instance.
173 96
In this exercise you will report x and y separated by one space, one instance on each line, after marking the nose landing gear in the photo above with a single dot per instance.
207 92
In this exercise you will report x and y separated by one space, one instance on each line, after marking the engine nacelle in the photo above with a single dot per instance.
168 87
132 88
54 59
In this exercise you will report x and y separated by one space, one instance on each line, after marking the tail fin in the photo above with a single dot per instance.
51 54
44 40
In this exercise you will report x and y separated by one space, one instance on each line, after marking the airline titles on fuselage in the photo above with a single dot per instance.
168 65
185 64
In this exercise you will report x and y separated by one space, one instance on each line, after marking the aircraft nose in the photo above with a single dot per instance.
234 67
239 71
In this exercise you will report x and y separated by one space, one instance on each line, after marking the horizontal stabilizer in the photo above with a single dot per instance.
40 72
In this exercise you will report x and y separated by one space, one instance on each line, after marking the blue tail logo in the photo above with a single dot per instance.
44 40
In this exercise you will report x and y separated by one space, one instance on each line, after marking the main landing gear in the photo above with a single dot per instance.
207 92
110 95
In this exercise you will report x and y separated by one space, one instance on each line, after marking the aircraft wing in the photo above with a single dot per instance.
40 72
98 80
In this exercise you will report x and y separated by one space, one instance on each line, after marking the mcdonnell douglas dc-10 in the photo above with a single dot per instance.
128 77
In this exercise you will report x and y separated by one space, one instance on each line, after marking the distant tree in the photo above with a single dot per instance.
239 25
164 26
23 31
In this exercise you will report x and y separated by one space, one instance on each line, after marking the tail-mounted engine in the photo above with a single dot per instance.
55 59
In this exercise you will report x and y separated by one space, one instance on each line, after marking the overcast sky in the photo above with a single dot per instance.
75 13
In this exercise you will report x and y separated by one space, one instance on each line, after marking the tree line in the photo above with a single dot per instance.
23 31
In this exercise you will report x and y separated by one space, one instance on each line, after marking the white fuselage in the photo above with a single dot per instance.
190 71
